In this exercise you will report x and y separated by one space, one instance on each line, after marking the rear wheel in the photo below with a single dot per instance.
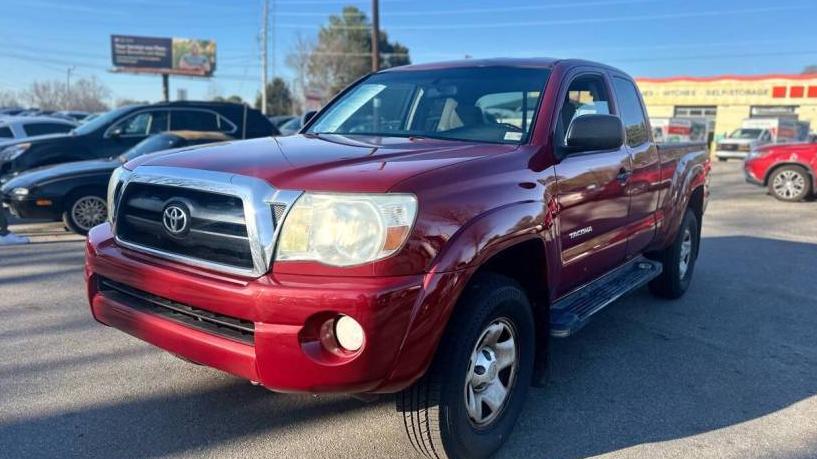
83 211
678 260
468 402
790 183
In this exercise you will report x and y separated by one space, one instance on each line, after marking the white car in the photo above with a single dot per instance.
18 127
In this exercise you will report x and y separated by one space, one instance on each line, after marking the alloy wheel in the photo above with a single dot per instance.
789 184
89 211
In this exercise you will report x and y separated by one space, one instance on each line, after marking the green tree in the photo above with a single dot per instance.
342 53
279 98
236 99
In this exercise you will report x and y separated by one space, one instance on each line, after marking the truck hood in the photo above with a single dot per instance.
327 162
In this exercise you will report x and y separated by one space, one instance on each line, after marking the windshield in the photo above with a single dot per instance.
485 104
292 125
152 144
745 133
100 121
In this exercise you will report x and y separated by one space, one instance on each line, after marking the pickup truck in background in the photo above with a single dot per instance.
789 171
754 133
425 234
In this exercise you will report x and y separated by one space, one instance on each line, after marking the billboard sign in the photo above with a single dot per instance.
175 56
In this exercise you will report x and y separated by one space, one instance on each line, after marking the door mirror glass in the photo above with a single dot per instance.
594 132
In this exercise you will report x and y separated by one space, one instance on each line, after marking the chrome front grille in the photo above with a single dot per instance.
216 230
219 221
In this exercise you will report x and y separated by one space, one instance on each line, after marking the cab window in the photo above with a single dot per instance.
632 114
587 95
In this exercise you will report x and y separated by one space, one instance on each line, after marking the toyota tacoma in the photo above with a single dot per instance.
425 234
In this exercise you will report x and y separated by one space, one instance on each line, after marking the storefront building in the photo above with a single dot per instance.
723 102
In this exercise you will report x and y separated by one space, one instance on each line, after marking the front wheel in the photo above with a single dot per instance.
790 183
83 211
468 402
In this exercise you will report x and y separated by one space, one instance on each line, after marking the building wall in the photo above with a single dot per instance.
733 95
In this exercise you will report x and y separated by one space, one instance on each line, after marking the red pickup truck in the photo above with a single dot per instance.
789 170
425 234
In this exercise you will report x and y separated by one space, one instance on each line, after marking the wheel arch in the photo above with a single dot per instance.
80 190
777 166
504 241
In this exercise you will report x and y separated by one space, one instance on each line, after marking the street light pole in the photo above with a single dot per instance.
68 83
375 36
264 42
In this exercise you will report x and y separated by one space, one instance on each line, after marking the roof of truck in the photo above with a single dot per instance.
539 62
530 62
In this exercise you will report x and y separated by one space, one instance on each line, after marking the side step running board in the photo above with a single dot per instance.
569 314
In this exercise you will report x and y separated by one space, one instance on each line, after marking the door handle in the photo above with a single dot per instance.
623 175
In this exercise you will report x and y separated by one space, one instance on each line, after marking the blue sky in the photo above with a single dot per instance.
42 38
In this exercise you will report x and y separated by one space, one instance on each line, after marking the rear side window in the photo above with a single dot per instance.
46 128
193 120
5 132
632 114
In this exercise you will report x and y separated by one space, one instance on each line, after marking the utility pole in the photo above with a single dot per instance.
68 83
375 36
264 42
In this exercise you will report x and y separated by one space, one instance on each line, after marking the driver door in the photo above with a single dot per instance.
591 191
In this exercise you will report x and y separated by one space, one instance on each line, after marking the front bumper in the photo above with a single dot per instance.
29 207
284 308
731 154
749 176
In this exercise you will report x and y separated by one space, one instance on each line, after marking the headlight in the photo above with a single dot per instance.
20 191
115 189
12 152
346 229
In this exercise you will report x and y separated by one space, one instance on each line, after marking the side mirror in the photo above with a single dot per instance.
594 132
308 116
115 132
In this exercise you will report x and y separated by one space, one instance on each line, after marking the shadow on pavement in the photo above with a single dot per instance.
739 346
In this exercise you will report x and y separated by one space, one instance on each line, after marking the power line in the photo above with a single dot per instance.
504 9
595 20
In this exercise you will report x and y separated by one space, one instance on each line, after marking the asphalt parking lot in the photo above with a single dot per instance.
728 371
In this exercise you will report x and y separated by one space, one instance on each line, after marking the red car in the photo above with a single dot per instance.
788 170
425 234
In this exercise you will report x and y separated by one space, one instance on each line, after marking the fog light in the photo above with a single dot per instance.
349 333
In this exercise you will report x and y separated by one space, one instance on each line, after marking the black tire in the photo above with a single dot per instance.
790 183
71 219
673 283
434 409
723 160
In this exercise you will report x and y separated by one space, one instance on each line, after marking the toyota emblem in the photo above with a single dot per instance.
175 219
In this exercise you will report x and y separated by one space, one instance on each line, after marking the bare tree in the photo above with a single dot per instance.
9 99
87 94
46 95
298 60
